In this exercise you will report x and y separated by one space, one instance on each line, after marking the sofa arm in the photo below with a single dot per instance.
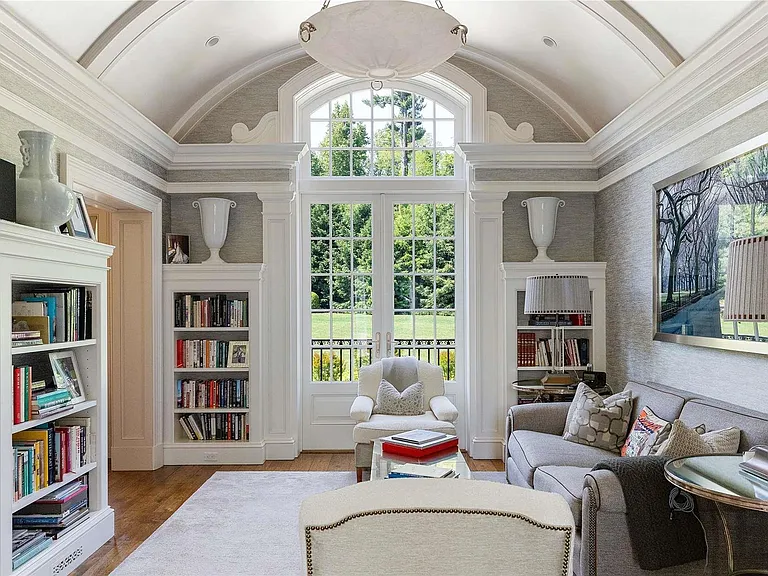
547 417
443 409
361 409
606 491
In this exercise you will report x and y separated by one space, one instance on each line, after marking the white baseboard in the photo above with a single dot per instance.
214 454
284 449
136 457
486 448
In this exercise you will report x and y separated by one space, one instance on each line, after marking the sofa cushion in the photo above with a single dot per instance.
665 402
568 481
716 415
385 425
530 450
684 441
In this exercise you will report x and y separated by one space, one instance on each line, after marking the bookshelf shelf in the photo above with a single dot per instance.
51 347
545 368
33 260
35 496
241 283
76 408
549 328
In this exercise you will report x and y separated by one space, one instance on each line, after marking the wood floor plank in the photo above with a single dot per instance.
144 500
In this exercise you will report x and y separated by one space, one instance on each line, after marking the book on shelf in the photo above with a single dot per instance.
226 393
26 545
58 512
533 351
217 311
563 320
39 325
211 354
420 471
224 426
394 446
68 311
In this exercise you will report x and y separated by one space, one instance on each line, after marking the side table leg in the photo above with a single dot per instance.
729 547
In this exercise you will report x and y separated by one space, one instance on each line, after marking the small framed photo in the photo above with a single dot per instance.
238 354
176 249
80 223
66 374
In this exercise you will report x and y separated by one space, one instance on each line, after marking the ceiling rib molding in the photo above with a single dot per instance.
98 45
635 31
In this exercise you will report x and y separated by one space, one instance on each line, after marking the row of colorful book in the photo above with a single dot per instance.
534 351
225 393
32 399
211 354
219 311
220 426
562 320
49 518
43 455
59 314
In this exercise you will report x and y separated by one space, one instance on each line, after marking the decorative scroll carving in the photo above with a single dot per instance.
499 132
266 131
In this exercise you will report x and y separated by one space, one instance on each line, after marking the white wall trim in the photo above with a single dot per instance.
237 156
499 132
228 187
531 155
88 180
265 132
559 186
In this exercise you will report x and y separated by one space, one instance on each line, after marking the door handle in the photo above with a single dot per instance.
377 342
389 344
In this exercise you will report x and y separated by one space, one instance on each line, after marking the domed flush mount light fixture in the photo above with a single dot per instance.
382 40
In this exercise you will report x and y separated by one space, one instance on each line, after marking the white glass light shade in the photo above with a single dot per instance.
746 283
381 40
557 295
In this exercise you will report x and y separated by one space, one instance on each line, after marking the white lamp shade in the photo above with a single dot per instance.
381 40
746 283
557 295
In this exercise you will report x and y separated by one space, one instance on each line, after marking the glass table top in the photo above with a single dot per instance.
718 477
382 462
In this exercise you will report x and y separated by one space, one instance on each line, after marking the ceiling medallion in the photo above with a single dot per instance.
382 40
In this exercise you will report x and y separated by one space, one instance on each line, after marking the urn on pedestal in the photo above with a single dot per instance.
542 220
214 218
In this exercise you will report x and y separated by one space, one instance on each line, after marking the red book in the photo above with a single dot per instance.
416 452
179 354
17 396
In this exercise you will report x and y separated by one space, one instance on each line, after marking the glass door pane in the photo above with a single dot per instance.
341 290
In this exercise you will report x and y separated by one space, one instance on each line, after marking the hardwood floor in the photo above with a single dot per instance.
144 500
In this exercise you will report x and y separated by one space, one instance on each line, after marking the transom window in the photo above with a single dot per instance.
382 133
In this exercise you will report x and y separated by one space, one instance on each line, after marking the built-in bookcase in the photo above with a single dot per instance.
32 261
212 329
588 331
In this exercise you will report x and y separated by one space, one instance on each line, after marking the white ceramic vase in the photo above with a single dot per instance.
214 218
41 200
542 220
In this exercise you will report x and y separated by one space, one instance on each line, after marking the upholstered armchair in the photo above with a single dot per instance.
439 413
436 527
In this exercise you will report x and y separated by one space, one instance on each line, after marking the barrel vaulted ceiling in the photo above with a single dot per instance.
608 53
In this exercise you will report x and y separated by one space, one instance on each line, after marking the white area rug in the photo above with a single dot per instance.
238 523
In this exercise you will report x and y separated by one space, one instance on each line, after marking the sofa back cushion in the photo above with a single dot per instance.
716 415
665 402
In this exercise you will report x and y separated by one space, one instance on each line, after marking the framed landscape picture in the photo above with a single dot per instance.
66 374
698 213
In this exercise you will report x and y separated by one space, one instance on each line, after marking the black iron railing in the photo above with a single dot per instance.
341 360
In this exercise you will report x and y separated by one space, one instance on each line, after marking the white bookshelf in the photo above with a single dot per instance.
28 258
514 275
237 281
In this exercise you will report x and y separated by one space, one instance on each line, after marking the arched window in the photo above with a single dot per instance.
389 133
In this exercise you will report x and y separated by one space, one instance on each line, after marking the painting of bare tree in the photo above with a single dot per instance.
697 217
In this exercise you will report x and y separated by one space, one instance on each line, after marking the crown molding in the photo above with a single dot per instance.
532 155
237 156
220 272
732 52
536 186
229 187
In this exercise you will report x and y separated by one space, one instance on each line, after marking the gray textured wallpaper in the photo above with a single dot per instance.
534 174
623 238
244 238
276 175
574 236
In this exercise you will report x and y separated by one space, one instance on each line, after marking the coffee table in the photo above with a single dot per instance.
382 462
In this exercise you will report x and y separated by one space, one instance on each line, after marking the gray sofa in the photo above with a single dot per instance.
538 457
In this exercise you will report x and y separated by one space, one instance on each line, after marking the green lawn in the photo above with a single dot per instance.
404 326
745 328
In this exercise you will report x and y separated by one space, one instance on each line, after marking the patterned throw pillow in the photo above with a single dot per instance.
684 441
647 434
599 422
408 403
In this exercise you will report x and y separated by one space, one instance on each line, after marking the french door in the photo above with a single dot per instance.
382 277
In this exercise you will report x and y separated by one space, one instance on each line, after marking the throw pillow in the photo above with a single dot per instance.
647 434
684 441
408 403
598 422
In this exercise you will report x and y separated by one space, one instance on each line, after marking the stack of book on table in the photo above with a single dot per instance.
420 471
56 514
756 471
419 443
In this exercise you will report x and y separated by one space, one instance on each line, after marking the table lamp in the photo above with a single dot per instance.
555 294
746 283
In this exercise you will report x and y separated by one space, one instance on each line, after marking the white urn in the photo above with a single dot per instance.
214 219
542 220
41 200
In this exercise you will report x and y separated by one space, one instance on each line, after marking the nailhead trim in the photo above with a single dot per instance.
568 533
592 533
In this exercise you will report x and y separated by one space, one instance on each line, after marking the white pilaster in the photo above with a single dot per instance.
280 409
486 381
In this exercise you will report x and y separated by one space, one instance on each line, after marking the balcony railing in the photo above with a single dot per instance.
341 360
